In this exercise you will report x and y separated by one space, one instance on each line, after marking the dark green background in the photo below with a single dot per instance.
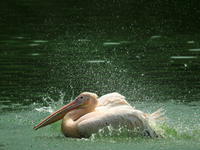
46 46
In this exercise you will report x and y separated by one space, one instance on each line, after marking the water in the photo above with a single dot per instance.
51 52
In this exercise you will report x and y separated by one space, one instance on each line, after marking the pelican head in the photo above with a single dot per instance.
86 100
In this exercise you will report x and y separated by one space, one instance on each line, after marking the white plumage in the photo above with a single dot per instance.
87 115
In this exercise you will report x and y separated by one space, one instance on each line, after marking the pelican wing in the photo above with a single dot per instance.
116 117
112 100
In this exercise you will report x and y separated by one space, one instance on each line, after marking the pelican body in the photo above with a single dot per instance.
86 115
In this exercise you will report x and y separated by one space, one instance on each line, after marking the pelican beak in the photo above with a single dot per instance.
59 114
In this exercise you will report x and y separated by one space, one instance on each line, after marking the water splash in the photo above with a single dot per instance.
113 135
173 130
53 105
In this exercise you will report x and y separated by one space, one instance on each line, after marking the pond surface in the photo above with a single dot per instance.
51 52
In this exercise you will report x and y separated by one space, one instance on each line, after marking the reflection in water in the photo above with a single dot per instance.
195 50
183 57
96 61
34 44
111 43
41 41
84 40
35 54
155 36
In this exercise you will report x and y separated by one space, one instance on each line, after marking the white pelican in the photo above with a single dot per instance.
86 115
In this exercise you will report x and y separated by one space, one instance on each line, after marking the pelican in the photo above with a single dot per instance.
86 115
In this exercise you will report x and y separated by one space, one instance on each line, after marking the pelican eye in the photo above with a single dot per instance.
82 97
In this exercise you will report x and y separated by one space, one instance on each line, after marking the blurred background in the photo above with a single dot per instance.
146 50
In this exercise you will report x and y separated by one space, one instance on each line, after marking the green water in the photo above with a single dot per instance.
147 51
